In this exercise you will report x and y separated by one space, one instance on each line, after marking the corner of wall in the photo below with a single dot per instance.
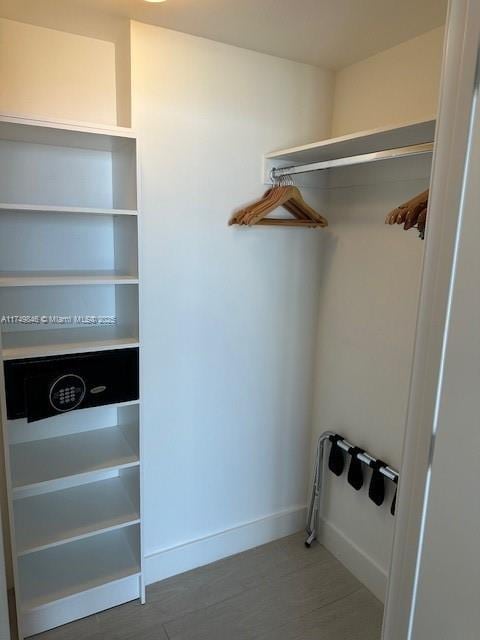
34 91
123 74
371 93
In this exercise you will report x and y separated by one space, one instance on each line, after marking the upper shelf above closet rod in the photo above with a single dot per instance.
381 144
388 154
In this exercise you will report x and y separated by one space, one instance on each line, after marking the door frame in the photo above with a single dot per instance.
452 137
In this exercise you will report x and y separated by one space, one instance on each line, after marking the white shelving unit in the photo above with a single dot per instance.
69 257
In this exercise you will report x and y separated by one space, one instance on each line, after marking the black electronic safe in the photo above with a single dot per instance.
37 388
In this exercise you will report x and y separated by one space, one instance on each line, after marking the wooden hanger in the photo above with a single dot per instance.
412 214
279 195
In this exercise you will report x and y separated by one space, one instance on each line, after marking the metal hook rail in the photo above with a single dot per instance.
375 156
315 500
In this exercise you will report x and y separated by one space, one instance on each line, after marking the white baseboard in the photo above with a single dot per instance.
363 567
184 557
170 562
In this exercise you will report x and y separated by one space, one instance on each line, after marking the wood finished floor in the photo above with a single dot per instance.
279 591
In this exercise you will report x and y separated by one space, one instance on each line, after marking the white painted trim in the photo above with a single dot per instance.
196 553
363 567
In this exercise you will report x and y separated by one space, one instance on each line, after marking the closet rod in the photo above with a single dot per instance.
375 156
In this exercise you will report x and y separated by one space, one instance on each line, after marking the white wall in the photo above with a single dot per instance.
77 19
229 314
392 87
48 73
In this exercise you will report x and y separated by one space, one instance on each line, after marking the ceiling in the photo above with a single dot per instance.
328 33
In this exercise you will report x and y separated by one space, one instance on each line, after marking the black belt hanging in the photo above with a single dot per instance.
336 459
355 473
376 491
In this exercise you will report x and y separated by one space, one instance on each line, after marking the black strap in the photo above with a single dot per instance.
394 504
355 472
394 501
376 491
336 459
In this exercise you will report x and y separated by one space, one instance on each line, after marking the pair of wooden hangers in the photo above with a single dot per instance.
280 195
412 214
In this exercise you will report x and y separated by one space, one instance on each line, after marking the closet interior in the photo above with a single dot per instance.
361 175
177 384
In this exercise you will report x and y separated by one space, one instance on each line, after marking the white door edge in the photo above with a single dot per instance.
456 100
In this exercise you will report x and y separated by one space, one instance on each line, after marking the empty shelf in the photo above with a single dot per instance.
59 572
50 342
63 516
64 134
46 208
53 278
44 461
358 143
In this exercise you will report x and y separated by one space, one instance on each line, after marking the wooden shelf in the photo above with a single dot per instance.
55 518
57 278
51 342
40 463
358 143
69 223
56 573
5 207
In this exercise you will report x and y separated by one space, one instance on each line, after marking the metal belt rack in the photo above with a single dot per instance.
315 500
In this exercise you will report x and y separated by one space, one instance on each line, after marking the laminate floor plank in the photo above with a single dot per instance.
268 606
278 591
358 616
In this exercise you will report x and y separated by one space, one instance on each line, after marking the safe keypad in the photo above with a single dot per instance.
65 396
